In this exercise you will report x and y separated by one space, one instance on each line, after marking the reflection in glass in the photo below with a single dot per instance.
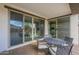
38 29
60 27
52 25
24 31
28 28
16 28
63 27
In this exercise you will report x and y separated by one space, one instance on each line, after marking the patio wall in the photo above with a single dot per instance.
3 28
74 28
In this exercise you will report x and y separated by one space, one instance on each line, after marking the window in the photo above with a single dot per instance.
63 27
16 28
24 28
52 30
38 28
28 28
60 27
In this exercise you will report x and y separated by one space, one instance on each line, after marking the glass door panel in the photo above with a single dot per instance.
24 29
52 25
28 28
38 28
63 27
16 28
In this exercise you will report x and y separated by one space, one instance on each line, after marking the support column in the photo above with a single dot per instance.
74 28
46 27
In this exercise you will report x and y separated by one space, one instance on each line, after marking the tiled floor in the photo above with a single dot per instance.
27 50
75 50
33 50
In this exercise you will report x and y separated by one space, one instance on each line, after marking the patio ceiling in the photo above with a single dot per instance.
46 10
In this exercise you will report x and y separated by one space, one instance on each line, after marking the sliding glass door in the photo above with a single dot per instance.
24 28
63 27
38 28
16 28
60 27
27 28
52 30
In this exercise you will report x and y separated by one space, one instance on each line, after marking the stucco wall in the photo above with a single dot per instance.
74 28
3 28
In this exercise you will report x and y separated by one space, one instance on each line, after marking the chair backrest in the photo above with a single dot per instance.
65 50
68 40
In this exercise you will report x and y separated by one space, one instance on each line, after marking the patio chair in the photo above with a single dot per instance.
68 40
42 44
63 50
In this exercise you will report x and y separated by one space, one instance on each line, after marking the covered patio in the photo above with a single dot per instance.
23 24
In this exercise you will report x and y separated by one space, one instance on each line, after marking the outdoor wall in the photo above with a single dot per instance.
74 28
3 28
